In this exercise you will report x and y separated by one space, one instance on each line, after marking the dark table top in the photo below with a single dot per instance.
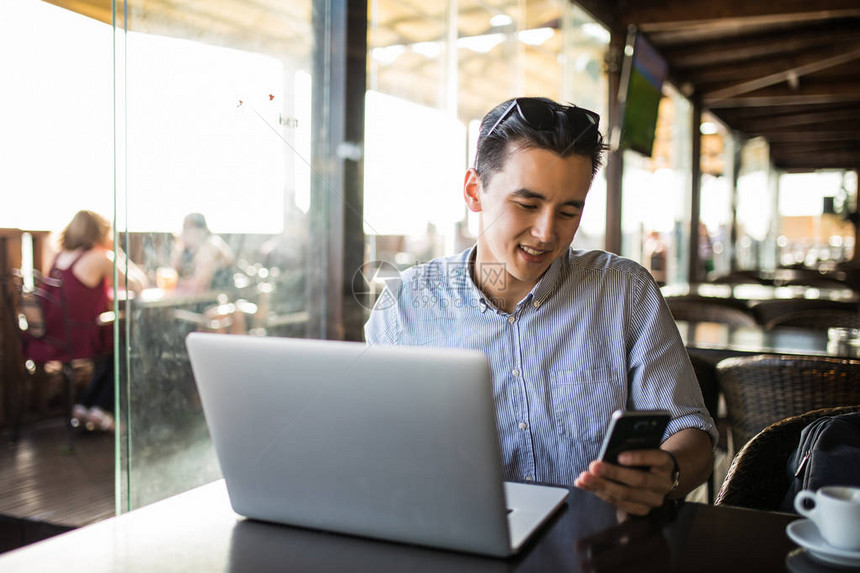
198 531
739 340
752 293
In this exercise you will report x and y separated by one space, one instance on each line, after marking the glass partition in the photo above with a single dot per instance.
656 199
214 115
756 207
195 127
815 230
717 162
434 71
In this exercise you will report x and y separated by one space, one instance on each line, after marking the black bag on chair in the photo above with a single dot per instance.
828 454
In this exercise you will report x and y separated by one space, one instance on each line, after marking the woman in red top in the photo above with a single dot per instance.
85 264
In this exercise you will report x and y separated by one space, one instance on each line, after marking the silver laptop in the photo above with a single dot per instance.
393 443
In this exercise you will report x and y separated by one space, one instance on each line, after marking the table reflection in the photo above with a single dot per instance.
752 293
198 531
718 337
586 535
260 546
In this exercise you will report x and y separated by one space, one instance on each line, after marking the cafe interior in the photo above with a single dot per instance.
324 142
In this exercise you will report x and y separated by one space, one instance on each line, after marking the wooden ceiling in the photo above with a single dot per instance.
786 70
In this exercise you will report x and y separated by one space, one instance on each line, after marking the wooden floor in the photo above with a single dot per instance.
42 479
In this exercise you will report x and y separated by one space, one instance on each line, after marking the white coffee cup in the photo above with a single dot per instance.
836 512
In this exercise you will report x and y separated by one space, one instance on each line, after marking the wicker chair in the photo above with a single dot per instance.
817 319
703 309
805 277
25 307
757 478
763 389
767 312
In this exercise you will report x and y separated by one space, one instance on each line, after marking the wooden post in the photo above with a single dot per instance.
615 158
696 268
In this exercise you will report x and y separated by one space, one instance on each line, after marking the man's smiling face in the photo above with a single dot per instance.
529 214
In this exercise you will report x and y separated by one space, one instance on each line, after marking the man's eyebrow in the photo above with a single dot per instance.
529 194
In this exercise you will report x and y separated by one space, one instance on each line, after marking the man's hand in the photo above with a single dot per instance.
632 490
638 491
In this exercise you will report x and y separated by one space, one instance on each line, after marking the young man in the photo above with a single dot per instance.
570 335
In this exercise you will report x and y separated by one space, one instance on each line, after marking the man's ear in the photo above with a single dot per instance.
472 191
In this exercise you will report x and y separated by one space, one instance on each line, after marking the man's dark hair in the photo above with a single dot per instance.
570 133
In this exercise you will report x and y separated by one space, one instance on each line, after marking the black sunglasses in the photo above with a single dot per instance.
541 115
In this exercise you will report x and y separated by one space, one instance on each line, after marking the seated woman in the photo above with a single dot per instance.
85 264
202 259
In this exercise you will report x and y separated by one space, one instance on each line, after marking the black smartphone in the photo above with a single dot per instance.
633 430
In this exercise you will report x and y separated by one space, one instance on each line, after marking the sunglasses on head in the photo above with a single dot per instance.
541 115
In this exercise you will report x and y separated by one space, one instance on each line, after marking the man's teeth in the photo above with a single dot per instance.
530 250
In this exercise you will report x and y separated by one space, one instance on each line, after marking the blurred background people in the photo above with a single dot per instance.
655 255
203 261
85 264
706 250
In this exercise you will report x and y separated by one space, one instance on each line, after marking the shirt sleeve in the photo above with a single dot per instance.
383 326
660 373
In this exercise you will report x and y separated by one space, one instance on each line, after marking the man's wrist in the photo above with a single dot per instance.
676 473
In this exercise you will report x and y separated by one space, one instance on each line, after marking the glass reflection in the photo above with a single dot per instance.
428 81
217 117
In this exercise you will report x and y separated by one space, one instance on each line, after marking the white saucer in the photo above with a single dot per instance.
805 533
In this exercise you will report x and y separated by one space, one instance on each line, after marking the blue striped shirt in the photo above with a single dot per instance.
594 335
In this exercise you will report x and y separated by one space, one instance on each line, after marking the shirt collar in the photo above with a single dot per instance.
548 283
544 288
473 293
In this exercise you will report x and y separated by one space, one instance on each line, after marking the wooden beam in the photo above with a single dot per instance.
800 113
817 94
779 100
782 76
706 58
811 168
809 160
809 136
738 73
606 13
668 14
809 120
810 133
828 77
820 147
831 159
713 32
96 9
832 148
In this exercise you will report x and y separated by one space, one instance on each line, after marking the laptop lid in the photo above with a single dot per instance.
395 443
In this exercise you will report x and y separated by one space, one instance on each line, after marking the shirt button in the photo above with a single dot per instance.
536 303
523 426
515 372
511 319
530 478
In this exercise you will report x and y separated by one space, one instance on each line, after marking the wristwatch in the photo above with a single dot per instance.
676 472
